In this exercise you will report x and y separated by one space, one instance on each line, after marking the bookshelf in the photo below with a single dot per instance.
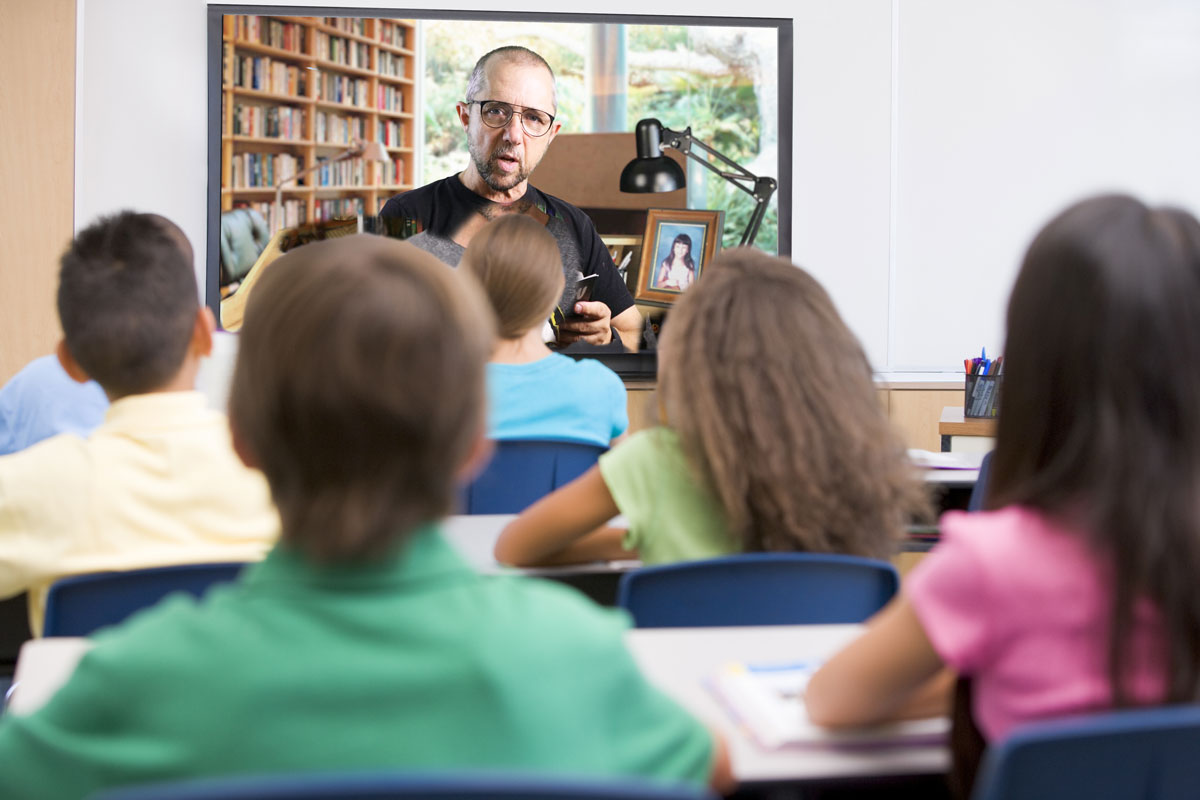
296 90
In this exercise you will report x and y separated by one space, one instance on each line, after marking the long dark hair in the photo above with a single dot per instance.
1100 425
682 238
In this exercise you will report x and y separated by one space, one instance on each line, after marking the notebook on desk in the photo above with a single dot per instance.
767 701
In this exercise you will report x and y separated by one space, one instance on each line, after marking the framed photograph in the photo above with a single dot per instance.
677 247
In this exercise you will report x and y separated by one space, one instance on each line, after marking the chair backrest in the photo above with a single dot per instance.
386 785
758 589
522 471
81 604
1150 754
979 491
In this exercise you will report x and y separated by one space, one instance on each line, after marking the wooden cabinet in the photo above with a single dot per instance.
297 91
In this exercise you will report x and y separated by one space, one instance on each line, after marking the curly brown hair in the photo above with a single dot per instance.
774 403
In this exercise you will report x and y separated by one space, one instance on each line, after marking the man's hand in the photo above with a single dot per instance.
593 324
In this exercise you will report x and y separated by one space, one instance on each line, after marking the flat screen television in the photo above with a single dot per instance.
290 86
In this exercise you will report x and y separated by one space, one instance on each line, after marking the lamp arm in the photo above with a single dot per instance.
763 188
342 156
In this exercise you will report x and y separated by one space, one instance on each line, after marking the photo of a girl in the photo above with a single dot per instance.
679 248
678 269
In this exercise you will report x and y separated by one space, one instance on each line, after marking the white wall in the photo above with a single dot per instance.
931 137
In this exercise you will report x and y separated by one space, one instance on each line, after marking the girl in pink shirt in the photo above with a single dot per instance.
1078 590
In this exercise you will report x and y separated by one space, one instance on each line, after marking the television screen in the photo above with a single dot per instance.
296 95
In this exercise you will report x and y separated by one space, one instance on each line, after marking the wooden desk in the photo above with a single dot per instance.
980 432
676 660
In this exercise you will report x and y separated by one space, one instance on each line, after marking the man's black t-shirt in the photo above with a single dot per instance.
443 206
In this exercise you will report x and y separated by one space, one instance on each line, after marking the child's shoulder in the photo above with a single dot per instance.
1006 532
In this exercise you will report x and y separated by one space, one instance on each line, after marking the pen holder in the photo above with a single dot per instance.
981 397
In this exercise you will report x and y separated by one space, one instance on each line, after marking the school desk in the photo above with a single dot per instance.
677 660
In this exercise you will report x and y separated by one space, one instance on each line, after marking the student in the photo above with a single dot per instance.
362 641
773 438
533 392
158 482
1077 591
42 400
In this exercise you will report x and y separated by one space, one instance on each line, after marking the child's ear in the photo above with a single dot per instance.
69 364
477 458
202 332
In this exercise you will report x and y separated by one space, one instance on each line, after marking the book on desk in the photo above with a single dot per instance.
767 701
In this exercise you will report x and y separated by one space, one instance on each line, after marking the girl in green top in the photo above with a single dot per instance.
773 439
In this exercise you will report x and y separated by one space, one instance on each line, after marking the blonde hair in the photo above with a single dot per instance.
359 391
773 401
519 266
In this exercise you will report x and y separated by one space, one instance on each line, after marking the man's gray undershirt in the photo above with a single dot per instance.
451 252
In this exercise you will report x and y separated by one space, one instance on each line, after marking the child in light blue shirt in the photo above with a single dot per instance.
534 393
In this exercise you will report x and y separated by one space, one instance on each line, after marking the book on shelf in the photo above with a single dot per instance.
389 98
270 32
392 34
265 74
767 700
342 89
334 128
262 170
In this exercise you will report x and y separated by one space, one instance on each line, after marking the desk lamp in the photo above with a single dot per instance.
371 151
651 171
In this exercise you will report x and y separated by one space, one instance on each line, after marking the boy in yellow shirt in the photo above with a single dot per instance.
158 482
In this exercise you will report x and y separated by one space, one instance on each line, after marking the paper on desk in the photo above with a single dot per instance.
932 460
767 700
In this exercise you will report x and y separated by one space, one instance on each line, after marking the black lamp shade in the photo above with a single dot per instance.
660 174
651 171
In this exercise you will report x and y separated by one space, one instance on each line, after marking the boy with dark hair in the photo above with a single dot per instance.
362 641
158 482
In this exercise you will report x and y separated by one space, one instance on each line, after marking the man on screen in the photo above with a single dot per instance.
509 118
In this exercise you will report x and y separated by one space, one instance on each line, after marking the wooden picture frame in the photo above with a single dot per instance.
665 273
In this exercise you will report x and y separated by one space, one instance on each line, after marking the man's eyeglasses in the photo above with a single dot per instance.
497 114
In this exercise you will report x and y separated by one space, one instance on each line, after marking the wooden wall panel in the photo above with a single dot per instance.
37 172
915 413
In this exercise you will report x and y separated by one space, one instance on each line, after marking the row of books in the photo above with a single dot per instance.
392 65
269 31
267 75
355 25
268 122
351 172
391 133
393 34
254 170
392 174
339 207
338 129
342 89
293 213
343 51
389 99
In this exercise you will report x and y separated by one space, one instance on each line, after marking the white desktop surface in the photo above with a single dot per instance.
680 660
677 660
474 537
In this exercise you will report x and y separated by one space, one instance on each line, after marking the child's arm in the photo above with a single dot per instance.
565 527
890 672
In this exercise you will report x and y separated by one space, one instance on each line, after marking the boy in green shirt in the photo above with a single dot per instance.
362 641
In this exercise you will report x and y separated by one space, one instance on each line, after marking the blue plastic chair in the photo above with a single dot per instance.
758 589
522 471
1148 754
81 604
979 491
404 785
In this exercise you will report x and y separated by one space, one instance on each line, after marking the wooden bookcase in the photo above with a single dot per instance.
296 90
